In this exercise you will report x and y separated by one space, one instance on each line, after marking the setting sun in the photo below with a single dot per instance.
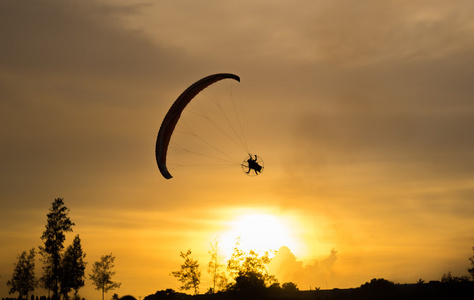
260 232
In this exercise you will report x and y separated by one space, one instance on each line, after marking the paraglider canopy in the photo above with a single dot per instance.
171 119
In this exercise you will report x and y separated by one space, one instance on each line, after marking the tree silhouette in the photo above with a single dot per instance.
234 264
249 282
378 284
189 275
23 278
290 287
248 270
447 277
450 278
46 281
471 270
102 274
58 223
214 268
73 268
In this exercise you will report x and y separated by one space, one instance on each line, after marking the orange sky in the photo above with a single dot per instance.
362 111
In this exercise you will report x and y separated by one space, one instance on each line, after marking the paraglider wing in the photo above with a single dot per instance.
172 117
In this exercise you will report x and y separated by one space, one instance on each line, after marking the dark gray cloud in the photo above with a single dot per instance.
76 88
417 114
79 38
372 31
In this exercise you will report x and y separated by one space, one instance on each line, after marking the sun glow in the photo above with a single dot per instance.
260 232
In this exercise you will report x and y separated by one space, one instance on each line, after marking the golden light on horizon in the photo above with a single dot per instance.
260 232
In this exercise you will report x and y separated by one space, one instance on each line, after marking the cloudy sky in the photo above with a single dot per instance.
362 111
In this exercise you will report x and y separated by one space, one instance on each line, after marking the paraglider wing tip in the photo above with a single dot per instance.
236 77
164 171
166 174
226 75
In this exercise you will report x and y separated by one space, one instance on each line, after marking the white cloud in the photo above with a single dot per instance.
288 268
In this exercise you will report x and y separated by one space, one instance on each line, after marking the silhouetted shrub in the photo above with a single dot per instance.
290 287
168 294
378 285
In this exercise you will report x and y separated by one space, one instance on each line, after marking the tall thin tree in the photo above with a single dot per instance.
471 270
46 280
73 268
215 268
102 274
189 275
23 278
58 224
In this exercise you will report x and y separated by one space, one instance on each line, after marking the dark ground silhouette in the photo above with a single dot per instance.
380 290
